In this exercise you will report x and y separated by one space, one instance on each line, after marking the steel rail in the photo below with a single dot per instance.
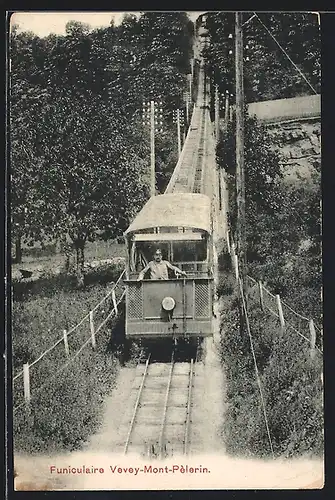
188 164
204 156
136 406
201 156
188 411
198 164
161 435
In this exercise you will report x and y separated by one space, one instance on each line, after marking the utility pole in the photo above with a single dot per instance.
240 178
226 108
152 149
187 105
152 116
217 113
178 132
226 111
182 127
178 118
190 84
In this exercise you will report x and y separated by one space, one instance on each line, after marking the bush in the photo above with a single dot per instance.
66 408
225 285
70 407
224 261
290 383
279 223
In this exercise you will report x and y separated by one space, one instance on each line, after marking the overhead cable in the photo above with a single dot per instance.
286 54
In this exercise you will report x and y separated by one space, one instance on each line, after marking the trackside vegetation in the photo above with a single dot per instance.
80 163
66 400
290 381
80 171
277 223
79 150
283 225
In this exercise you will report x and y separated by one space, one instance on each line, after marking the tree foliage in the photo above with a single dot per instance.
79 154
268 73
283 223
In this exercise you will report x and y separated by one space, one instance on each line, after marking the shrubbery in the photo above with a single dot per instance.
290 381
50 283
69 408
82 167
279 222
268 73
66 408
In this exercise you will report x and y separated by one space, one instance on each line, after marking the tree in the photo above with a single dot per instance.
268 73
282 223
28 102
79 152
91 176
262 176
77 28
166 158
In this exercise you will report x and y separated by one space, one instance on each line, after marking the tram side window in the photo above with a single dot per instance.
190 251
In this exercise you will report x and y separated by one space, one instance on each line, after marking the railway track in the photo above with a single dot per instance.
163 417
198 168
158 420
190 172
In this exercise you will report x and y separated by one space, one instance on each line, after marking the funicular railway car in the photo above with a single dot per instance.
180 225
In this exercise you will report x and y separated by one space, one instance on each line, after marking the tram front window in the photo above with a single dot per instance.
190 251
144 253
185 254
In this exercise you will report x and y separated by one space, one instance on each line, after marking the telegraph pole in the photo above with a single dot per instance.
226 108
178 132
240 178
187 105
190 85
182 126
152 149
152 116
179 119
217 113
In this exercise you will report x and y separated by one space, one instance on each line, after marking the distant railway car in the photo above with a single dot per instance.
180 225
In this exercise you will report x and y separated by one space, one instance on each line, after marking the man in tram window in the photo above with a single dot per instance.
159 268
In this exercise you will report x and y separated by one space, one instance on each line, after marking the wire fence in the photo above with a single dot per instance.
258 378
288 345
289 319
35 376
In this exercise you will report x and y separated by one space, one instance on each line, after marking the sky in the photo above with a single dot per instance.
44 23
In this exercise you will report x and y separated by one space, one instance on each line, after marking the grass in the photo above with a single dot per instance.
290 382
66 400
48 258
69 406
39 320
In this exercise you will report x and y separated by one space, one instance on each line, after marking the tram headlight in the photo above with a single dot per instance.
168 304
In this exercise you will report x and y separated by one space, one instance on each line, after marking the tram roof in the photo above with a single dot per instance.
189 210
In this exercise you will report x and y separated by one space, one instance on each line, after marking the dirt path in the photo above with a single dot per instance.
106 439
